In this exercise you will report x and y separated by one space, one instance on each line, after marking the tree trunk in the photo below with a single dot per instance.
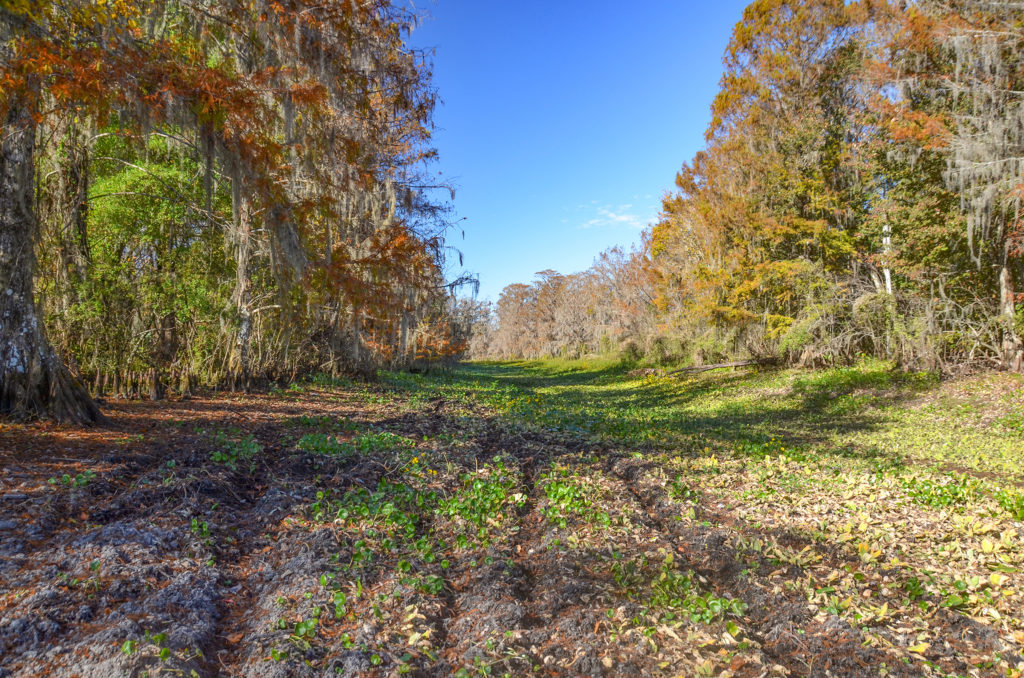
157 388
33 381
1013 348
404 339
241 294
886 249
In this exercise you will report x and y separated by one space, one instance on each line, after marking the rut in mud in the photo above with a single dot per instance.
360 531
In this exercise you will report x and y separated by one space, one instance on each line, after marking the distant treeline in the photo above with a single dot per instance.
859 194
212 193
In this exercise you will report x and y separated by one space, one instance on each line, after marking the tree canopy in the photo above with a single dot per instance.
216 192
858 194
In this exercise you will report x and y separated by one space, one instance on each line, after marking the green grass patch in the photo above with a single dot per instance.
866 413
366 444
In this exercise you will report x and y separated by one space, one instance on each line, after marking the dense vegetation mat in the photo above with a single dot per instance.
517 520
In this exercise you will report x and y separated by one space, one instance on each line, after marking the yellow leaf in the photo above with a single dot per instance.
919 648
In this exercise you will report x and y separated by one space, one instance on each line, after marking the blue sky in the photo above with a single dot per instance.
563 122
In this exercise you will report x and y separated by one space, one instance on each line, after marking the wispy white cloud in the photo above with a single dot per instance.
621 215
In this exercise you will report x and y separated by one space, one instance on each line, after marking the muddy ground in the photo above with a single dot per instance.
353 531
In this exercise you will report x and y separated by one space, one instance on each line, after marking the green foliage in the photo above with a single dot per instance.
157 272
234 451
367 444
678 490
305 630
394 508
78 480
485 498
671 594
321 443
674 593
372 443
568 497
200 528
1012 501
324 421
954 490
767 449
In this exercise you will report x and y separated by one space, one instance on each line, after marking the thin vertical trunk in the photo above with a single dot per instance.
360 359
886 247
72 196
404 338
33 381
1013 347
241 294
